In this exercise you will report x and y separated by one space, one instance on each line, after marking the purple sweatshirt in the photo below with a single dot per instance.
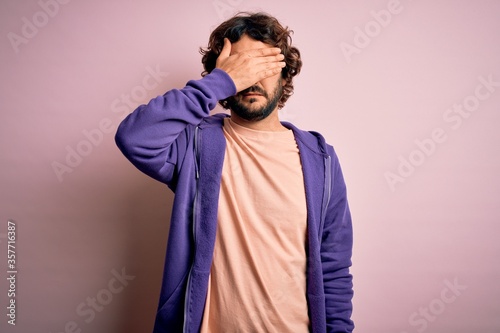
174 140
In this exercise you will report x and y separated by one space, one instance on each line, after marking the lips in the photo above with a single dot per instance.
253 91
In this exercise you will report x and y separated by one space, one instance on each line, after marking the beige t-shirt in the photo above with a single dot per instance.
258 275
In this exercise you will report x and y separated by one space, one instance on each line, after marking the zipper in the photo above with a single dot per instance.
197 140
327 191
197 153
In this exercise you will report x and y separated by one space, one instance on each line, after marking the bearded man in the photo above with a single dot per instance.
260 236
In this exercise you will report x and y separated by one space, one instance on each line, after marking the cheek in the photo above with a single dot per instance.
270 83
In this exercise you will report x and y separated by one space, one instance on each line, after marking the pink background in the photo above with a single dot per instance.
426 254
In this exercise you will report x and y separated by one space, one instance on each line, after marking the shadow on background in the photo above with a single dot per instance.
147 223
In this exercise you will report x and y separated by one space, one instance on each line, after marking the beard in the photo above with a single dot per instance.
245 110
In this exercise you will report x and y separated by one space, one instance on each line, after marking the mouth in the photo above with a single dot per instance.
252 94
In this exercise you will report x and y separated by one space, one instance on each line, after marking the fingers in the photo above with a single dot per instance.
248 67
260 61
264 52
270 63
270 59
226 49
271 69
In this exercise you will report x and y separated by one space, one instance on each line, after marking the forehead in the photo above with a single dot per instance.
247 43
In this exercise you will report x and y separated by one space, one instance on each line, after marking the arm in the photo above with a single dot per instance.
336 252
147 135
154 137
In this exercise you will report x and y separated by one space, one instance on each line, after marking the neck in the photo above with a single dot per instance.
270 123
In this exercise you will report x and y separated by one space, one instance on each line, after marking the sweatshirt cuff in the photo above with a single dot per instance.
220 83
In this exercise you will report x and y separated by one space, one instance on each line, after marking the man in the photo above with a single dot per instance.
260 236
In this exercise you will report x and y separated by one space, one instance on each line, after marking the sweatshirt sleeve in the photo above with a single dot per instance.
336 252
154 136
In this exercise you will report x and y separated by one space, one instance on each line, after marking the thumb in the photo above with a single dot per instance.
226 49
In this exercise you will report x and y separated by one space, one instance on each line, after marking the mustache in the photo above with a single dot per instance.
253 89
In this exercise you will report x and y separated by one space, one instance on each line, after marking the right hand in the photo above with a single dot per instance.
248 68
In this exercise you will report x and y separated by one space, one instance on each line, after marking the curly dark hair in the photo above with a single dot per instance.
261 27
